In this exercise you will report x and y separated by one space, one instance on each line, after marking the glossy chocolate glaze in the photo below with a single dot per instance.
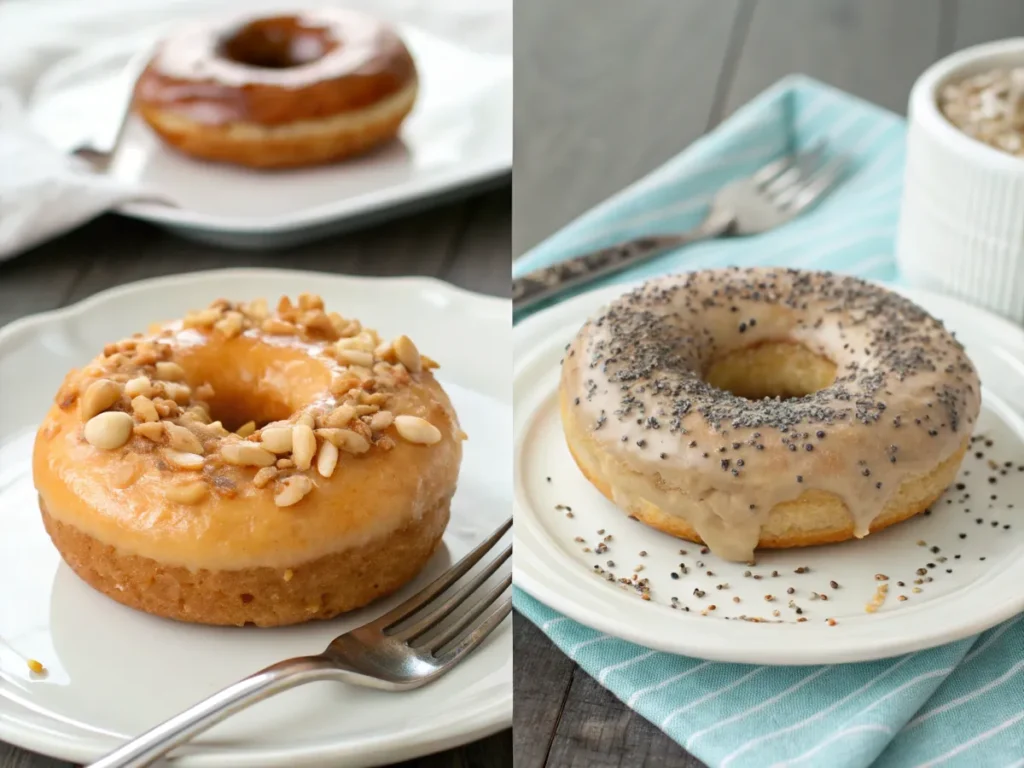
276 70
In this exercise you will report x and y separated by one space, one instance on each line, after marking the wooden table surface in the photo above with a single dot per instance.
466 243
605 92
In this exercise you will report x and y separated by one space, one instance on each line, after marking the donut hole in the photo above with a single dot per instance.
253 380
783 369
233 408
280 42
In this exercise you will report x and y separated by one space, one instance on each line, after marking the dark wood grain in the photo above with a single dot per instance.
466 243
540 689
603 96
565 718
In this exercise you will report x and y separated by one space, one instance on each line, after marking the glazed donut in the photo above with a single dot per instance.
247 466
279 92
774 408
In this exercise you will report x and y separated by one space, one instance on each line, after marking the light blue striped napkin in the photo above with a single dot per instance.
958 705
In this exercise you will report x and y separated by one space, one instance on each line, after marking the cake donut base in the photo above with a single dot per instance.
815 517
266 597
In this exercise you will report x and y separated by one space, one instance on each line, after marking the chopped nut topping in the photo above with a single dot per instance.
179 393
292 490
303 446
276 327
188 493
152 430
98 397
264 476
417 430
182 439
352 442
143 407
183 459
140 385
340 416
202 319
230 325
277 439
355 357
327 459
109 430
381 420
245 454
167 409
140 376
168 371
308 301
407 354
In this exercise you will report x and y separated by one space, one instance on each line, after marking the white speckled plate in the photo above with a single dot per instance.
113 672
971 549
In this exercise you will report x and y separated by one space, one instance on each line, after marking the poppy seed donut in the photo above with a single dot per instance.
774 408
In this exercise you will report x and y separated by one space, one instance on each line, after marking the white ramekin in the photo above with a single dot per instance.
961 229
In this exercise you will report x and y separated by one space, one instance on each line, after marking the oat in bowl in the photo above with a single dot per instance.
988 107
963 186
250 465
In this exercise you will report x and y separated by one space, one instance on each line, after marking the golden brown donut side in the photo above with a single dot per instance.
267 597
295 144
815 517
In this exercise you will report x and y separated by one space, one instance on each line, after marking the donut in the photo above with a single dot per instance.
248 466
279 92
772 408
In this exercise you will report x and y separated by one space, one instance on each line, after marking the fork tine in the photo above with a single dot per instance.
804 165
479 634
442 582
814 187
437 614
450 633
773 169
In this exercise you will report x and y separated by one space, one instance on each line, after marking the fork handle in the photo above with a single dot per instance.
540 284
184 727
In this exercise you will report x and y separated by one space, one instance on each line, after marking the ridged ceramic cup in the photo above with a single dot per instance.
961 229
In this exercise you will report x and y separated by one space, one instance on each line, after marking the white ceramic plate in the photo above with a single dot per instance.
971 584
458 139
113 672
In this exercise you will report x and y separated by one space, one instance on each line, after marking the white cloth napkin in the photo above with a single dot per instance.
45 192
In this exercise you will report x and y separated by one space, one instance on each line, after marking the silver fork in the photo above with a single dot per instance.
772 196
397 652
